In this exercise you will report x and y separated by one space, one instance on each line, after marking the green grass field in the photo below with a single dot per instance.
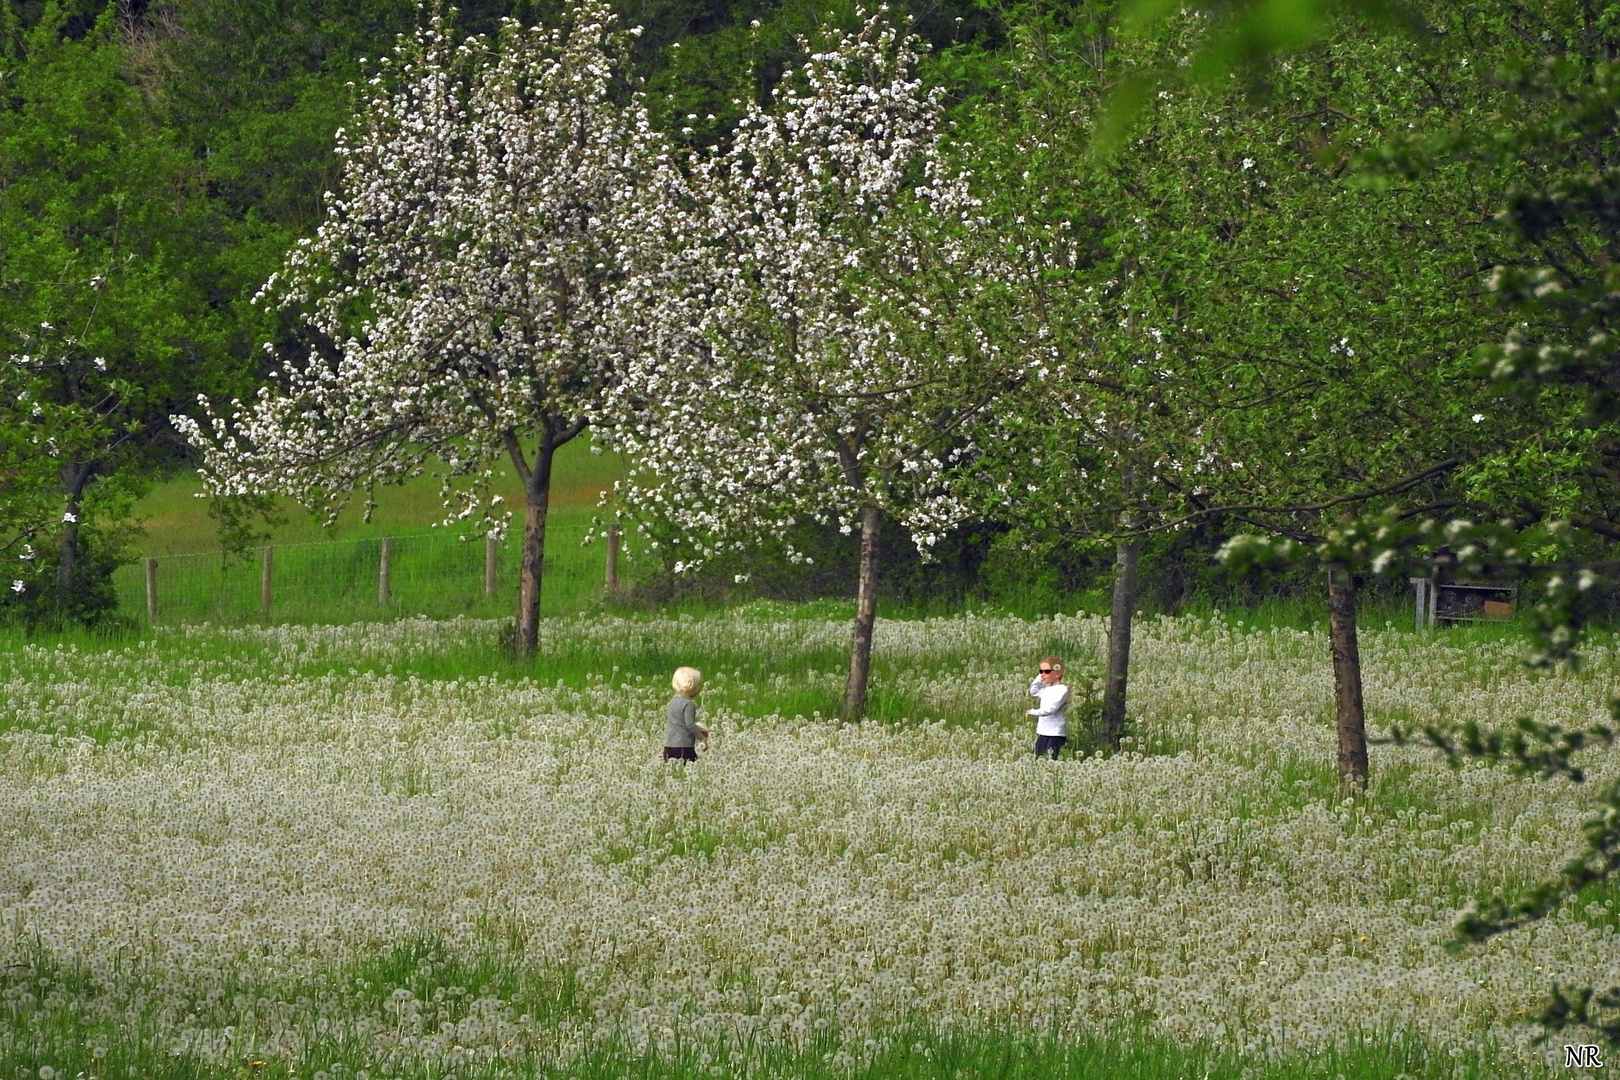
176 521
330 575
437 574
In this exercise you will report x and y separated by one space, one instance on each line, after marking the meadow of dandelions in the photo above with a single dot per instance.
207 828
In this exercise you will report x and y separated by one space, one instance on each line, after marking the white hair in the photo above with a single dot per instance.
687 681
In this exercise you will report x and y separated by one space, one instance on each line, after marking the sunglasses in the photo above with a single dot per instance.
1047 670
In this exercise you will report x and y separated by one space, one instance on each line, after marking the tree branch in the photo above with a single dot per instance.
1395 488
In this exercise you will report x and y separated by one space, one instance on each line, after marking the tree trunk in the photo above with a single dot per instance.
70 555
860 647
74 478
537 499
1126 556
1350 711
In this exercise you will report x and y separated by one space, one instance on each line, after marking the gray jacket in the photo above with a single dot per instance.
683 726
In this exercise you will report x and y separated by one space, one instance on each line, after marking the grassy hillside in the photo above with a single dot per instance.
177 522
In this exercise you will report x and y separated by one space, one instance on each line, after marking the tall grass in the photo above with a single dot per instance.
915 1055
800 674
801 677
58 1022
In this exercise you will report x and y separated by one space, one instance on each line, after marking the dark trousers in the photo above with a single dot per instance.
680 753
1054 743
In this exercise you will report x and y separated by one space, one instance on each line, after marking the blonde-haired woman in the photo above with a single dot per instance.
1050 711
682 735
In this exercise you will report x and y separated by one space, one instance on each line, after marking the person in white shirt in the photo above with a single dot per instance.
1052 699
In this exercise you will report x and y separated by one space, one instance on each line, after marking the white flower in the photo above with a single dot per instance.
1478 417
18 586
911 876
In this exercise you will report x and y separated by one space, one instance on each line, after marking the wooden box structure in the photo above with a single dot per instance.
1448 602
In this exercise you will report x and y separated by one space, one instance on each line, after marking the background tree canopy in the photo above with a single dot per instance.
1352 216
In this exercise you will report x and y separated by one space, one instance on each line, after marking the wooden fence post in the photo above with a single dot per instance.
613 560
151 590
385 564
264 580
489 565
1420 603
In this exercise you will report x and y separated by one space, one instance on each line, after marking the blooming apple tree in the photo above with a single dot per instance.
458 296
809 350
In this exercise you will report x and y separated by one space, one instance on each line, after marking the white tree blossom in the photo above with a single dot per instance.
807 349
458 295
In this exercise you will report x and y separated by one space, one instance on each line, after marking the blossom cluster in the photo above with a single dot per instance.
802 312
266 808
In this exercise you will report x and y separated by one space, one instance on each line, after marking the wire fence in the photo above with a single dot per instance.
437 574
